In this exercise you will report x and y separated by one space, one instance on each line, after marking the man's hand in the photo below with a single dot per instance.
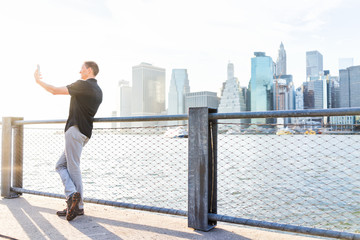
37 76
51 89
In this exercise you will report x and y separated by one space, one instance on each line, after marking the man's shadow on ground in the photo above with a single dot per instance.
36 226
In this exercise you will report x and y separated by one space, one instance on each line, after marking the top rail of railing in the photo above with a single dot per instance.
213 116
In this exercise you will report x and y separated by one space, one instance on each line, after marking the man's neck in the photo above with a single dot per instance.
89 78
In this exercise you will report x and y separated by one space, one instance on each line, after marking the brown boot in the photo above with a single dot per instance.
63 212
72 203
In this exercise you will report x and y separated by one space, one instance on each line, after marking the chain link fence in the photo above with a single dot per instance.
145 166
297 178
292 178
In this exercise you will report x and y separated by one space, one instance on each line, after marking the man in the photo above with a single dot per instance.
86 97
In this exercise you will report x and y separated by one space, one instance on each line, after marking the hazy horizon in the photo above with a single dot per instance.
201 36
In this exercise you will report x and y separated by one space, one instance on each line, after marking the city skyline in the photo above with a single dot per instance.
178 34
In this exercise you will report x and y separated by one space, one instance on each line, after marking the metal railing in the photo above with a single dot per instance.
300 183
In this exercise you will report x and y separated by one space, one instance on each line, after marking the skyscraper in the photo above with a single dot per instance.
124 101
314 64
349 96
320 92
148 90
233 96
284 90
315 94
261 84
350 87
281 61
179 86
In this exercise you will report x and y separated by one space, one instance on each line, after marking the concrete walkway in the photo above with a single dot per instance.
33 217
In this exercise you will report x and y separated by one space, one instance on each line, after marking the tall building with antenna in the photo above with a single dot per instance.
281 61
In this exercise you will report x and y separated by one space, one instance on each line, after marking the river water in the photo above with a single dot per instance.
311 181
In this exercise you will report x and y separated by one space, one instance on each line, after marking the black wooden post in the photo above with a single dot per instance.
202 178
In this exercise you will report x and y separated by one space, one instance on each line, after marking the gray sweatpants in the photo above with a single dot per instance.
68 165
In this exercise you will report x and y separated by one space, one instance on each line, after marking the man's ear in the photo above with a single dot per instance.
91 71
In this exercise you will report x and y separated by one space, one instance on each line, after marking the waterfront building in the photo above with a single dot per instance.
349 87
261 85
349 96
148 90
124 101
233 96
201 99
344 88
321 92
314 64
342 123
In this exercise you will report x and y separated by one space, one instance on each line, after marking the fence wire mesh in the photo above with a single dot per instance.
143 165
291 178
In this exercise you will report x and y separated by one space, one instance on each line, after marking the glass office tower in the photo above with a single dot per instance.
179 86
261 85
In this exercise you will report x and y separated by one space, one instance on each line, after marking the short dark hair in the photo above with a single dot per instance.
93 66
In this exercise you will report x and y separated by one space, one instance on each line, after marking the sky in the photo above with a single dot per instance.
201 36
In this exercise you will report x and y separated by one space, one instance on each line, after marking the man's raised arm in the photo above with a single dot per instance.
50 88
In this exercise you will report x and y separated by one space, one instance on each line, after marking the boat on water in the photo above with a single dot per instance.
283 132
310 132
178 132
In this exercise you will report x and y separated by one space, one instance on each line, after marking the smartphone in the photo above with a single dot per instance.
38 70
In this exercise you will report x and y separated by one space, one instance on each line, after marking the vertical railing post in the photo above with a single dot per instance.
6 158
18 146
202 178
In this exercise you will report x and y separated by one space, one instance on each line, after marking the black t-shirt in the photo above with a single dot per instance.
86 97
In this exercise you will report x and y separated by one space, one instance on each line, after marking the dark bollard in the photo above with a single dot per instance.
202 179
